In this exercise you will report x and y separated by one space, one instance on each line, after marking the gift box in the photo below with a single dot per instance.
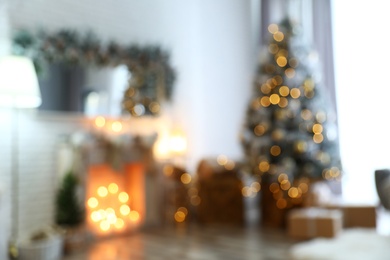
309 223
355 215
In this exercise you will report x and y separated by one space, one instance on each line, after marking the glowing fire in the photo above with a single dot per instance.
108 204
108 218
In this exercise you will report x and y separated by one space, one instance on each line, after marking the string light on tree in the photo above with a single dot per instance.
287 138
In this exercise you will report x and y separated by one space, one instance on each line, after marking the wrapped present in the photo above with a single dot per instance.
356 215
306 223
219 189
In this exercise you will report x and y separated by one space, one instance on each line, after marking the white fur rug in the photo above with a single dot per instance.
357 244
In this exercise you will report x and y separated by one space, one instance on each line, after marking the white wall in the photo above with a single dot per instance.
211 48
5 145
210 45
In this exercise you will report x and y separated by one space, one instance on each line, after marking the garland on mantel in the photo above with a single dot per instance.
152 78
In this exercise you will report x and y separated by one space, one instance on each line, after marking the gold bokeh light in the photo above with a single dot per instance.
102 191
290 73
100 121
295 93
93 202
113 188
318 138
259 130
281 61
116 126
185 178
284 91
274 99
275 150
273 28
317 128
123 197
278 36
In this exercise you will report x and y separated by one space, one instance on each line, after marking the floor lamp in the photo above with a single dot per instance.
18 89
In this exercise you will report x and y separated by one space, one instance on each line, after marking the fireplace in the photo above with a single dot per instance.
120 182
115 200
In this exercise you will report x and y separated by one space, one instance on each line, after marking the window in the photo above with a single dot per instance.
361 55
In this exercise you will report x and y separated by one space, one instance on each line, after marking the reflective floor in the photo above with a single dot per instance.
201 243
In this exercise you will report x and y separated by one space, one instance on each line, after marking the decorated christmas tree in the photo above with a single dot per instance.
290 136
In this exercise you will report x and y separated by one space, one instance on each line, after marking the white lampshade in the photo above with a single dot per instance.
18 83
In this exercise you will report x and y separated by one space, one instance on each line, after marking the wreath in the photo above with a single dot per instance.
152 78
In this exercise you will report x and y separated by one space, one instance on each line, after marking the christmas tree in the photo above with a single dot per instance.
290 138
69 210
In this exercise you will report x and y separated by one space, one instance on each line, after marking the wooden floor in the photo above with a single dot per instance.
200 243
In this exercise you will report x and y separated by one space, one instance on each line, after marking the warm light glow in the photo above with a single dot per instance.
168 170
278 36
104 225
113 188
282 177
185 178
265 89
93 202
321 116
281 61
274 99
246 191
317 128
119 224
284 91
273 28
293 192
222 159
134 216
230 165
178 142
285 185
318 138
102 191
124 210
111 217
110 211
275 150
306 114
180 216
95 216
281 203
183 209
154 107
300 146
259 130
265 102
100 121
264 166
290 73
303 187
256 187
116 126
123 197
283 102
295 93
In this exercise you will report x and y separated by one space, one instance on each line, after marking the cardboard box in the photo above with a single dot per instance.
355 215
313 222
